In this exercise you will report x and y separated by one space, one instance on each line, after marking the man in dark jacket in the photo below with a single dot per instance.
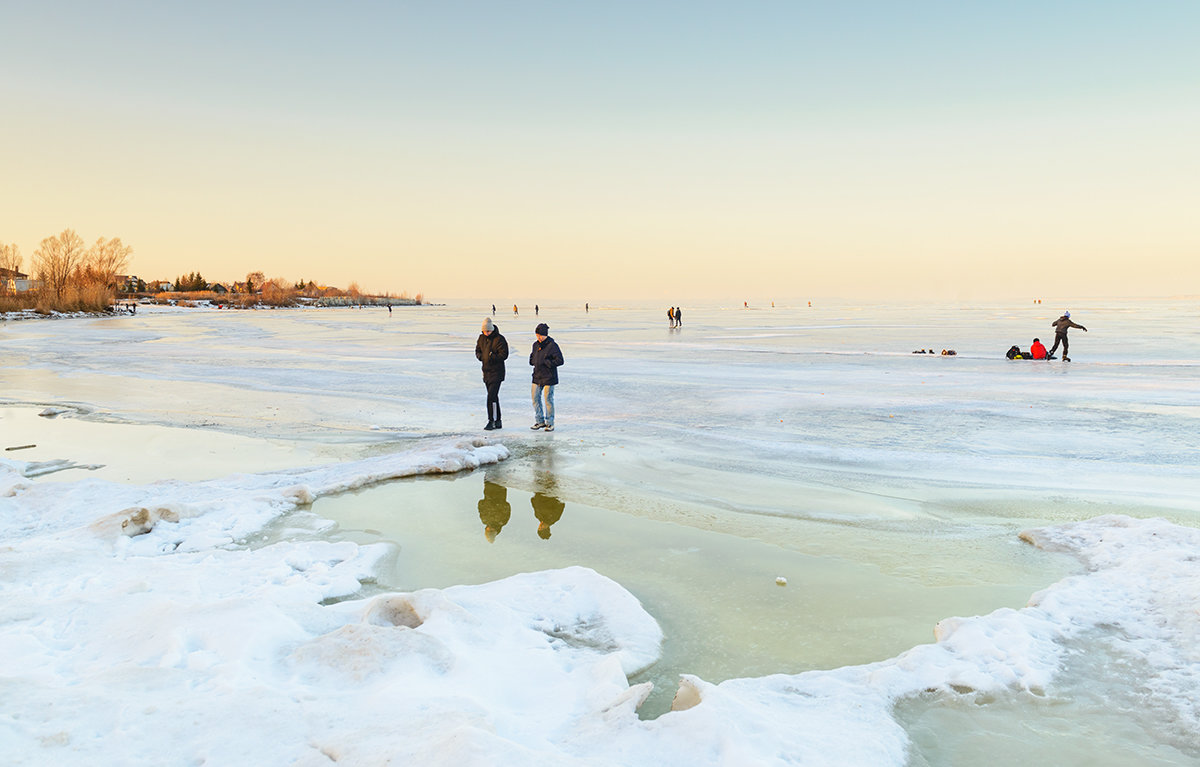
1061 325
545 359
491 349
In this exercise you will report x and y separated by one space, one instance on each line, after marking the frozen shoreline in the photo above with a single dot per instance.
170 613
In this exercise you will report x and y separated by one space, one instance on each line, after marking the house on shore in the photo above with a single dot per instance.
128 283
12 281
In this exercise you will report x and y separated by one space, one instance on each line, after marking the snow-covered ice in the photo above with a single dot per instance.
219 620
161 634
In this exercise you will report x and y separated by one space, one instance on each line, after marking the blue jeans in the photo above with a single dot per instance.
543 416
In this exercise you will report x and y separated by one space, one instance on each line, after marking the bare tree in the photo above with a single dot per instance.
10 257
254 281
104 261
57 259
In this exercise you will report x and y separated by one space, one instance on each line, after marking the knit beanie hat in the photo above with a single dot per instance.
542 329
487 325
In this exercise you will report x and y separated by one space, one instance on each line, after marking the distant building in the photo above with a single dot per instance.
12 281
219 288
161 286
127 283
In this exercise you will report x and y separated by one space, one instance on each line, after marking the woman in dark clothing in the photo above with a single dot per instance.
491 349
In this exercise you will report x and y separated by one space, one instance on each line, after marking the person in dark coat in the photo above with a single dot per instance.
1061 326
678 318
545 360
491 350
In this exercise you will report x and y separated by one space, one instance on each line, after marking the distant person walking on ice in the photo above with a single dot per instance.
671 315
491 349
1061 325
515 312
535 310
545 358
678 318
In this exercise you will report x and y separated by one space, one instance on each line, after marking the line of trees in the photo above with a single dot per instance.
72 275
191 282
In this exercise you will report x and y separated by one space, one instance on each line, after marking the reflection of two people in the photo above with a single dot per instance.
495 510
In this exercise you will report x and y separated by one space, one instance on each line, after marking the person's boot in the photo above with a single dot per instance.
498 425
491 425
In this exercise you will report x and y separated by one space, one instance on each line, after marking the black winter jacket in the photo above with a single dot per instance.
492 351
545 358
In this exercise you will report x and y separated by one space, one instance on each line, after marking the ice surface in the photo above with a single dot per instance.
156 623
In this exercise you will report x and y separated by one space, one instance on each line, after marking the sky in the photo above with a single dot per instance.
620 150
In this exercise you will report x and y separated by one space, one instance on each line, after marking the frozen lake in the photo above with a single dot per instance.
694 466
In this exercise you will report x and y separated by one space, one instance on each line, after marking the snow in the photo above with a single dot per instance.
143 625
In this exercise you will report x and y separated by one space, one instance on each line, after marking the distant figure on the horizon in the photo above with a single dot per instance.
493 310
1037 350
745 304
585 309
535 310
494 509
515 312
678 318
545 358
548 510
1061 326
671 315
491 349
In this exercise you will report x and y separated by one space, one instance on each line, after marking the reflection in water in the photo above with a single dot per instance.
494 510
548 510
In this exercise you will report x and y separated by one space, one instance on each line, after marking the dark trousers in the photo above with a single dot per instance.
493 400
1059 338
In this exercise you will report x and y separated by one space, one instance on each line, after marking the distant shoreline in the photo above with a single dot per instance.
157 308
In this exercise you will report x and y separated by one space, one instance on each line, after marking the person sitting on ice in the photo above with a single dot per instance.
1037 350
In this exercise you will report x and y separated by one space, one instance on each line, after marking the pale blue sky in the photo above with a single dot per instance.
762 149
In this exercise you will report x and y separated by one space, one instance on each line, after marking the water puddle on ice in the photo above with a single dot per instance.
860 599
85 445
